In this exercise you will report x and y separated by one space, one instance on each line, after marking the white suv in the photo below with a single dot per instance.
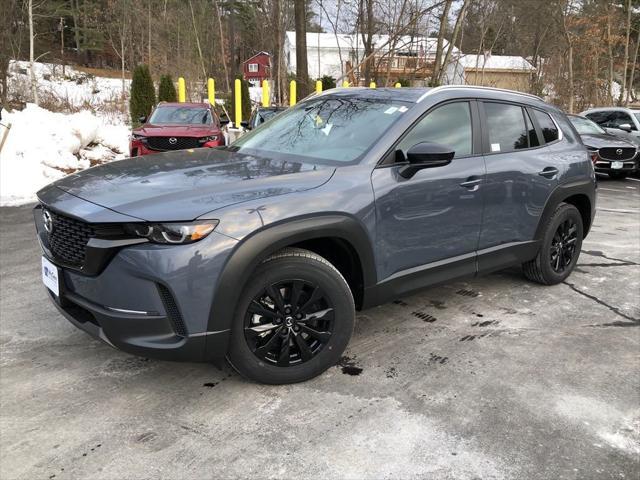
619 121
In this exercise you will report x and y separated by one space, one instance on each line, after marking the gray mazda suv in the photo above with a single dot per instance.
261 252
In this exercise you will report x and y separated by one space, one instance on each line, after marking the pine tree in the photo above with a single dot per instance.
143 95
167 90
328 82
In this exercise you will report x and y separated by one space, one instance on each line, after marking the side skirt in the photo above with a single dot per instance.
481 262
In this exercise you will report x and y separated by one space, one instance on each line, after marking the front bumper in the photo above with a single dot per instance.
149 300
138 147
602 165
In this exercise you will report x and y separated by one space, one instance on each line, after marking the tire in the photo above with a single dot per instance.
560 247
322 318
618 175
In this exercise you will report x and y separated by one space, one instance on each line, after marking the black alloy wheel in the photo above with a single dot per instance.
563 245
289 323
293 320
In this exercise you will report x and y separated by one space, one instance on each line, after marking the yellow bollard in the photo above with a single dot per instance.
265 93
345 83
211 91
182 90
238 92
292 93
318 86
372 85
398 85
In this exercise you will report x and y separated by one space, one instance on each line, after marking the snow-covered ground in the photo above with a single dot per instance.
75 89
43 146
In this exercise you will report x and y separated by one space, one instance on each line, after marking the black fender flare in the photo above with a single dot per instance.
251 251
560 194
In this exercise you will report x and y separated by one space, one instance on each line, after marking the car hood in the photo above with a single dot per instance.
601 140
149 130
183 185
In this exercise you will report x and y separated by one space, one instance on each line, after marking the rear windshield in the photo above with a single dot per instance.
584 126
327 130
180 116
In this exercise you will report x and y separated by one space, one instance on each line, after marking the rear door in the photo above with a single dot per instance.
521 172
435 216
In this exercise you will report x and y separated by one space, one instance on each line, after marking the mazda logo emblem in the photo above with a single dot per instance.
619 151
47 219
173 140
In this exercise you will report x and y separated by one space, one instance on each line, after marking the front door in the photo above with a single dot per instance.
436 215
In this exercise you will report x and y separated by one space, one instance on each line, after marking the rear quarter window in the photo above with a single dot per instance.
549 129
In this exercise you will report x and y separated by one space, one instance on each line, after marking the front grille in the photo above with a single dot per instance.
68 239
165 143
173 313
611 153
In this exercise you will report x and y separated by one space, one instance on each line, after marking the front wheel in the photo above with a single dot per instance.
560 248
294 319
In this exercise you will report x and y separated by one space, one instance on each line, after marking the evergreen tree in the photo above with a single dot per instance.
167 90
143 95
328 82
246 102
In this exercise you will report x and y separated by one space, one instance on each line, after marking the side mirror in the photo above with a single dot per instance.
224 121
142 119
426 155
245 124
625 127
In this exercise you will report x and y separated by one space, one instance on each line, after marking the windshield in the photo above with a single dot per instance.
329 130
584 126
180 116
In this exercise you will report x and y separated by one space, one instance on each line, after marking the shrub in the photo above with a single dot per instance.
167 90
328 82
143 95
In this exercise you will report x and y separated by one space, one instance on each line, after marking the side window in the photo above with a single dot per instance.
599 117
620 119
507 130
548 127
448 125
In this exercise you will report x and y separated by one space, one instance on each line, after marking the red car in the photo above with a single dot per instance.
176 126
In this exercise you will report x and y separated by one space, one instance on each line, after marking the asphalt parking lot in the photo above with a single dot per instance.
490 378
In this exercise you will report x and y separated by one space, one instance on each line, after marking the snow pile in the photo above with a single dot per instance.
75 88
43 146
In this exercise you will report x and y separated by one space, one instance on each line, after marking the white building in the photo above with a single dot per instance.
326 50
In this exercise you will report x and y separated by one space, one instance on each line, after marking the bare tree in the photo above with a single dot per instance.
626 55
441 32
32 73
302 67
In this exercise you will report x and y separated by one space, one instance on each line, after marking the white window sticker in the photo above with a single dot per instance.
403 109
495 147
327 129
391 110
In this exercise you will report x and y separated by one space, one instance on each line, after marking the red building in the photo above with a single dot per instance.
257 68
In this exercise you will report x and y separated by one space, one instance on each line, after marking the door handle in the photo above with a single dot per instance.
472 184
549 172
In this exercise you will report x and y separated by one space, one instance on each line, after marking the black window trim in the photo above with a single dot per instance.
535 120
486 147
389 158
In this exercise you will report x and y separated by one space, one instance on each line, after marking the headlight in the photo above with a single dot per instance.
136 136
211 138
172 233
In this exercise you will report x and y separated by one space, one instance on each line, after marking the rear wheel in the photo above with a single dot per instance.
560 248
294 319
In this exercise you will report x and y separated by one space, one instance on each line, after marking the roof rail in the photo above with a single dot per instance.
477 87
